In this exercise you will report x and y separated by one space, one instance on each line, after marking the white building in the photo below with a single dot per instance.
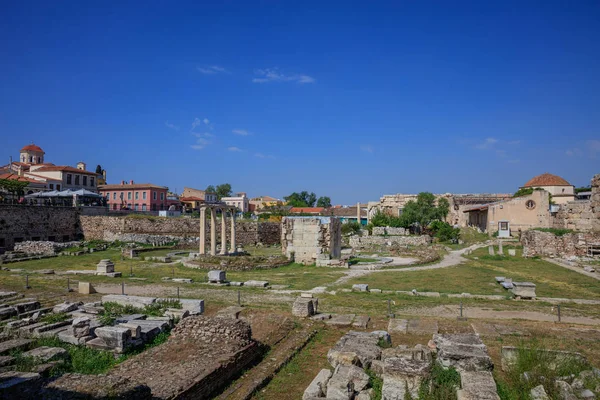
240 200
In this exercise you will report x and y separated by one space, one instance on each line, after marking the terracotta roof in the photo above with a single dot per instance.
306 210
32 147
64 168
43 177
191 198
546 180
345 212
15 177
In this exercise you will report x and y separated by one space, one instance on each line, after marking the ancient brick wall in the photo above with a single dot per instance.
581 216
22 223
165 229
547 244
311 238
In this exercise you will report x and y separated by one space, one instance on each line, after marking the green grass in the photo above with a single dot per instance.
161 253
556 231
477 277
443 383
52 318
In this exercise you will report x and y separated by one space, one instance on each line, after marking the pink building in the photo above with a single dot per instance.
135 196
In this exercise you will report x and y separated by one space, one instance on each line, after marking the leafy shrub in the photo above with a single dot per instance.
350 228
444 231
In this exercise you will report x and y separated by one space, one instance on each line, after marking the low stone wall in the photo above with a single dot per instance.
547 244
160 230
311 238
44 247
388 230
360 242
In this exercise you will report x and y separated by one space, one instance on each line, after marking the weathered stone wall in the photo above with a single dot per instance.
155 230
547 244
311 238
360 242
43 247
22 223
388 230
581 216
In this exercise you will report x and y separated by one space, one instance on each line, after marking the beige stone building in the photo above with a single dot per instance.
562 191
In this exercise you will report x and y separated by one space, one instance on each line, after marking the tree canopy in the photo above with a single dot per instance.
302 199
222 190
13 186
423 211
324 201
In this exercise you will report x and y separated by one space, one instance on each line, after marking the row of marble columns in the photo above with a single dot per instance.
213 230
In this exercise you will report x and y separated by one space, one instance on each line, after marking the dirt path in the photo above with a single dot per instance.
573 268
451 259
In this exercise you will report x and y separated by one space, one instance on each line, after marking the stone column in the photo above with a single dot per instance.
213 232
233 246
358 214
223 233
203 230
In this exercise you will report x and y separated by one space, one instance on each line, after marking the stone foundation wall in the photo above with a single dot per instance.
43 247
547 244
311 238
360 242
34 223
580 216
388 230
157 230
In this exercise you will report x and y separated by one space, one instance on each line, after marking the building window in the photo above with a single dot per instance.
85 181
57 187
137 195
51 186
128 195
144 195
162 197
92 181
30 159
69 179
114 195
76 179
154 195
143 207
135 207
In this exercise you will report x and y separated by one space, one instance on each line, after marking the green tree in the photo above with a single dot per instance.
211 189
223 190
302 199
423 211
324 202
15 187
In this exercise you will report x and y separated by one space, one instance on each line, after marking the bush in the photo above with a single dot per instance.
350 228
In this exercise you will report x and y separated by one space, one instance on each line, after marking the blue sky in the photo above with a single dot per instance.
348 99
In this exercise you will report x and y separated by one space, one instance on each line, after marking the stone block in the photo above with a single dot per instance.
134 301
81 327
538 393
19 385
398 326
410 371
135 329
361 321
86 288
6 360
363 345
318 386
341 319
68 337
477 385
27 306
512 252
346 381
183 280
45 353
14 344
303 308
105 267
258 284
113 337
65 307
7 312
230 312
176 313
524 290
465 352
360 287
217 276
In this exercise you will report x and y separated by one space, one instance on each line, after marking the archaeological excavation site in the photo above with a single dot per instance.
219 306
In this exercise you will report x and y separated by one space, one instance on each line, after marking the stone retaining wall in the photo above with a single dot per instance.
311 238
580 216
156 230
388 230
43 247
360 242
547 244
35 223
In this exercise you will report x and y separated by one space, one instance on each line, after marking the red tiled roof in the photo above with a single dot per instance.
32 147
546 180
131 186
191 198
307 210
15 177
64 168
43 177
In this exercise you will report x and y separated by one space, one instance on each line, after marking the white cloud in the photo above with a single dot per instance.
206 121
261 155
199 122
211 70
200 144
486 144
234 149
367 148
171 126
274 75
241 132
